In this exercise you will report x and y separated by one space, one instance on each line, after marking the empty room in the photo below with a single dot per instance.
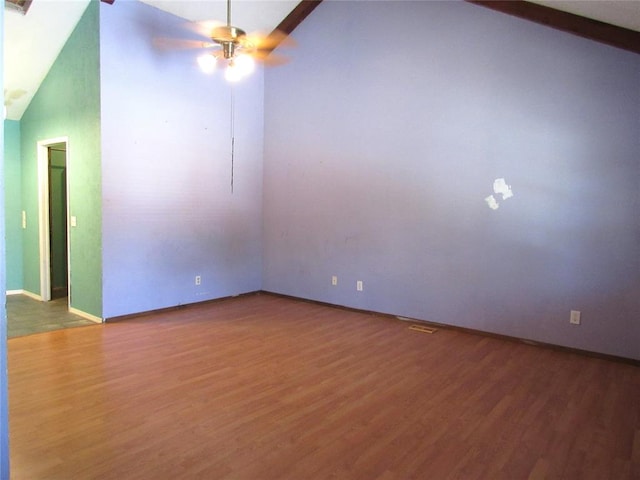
320 239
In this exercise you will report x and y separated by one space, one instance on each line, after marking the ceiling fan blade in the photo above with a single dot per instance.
164 43
270 59
268 42
204 28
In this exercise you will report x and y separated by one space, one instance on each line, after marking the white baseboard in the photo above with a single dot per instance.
31 295
86 315
15 292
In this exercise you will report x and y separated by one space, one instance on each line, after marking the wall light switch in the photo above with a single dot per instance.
74 221
574 318
24 219
334 280
359 286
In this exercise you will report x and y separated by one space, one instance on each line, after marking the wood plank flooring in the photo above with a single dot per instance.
263 387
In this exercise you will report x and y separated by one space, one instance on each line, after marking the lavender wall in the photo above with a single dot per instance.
168 210
386 132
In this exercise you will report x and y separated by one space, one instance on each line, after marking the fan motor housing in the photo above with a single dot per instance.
227 33
229 37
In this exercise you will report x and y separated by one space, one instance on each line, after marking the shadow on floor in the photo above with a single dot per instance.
26 316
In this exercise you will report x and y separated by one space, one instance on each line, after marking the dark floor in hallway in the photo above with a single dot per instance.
26 316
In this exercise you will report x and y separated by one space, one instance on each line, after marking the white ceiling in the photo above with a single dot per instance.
32 42
623 13
250 15
31 45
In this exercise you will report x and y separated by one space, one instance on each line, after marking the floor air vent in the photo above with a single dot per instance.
423 329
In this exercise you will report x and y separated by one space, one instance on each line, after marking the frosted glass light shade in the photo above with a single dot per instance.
207 62
233 73
245 63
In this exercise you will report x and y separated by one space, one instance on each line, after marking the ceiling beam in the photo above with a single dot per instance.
291 21
567 22
297 15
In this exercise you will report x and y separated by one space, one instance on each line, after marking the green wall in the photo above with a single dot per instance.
68 105
13 205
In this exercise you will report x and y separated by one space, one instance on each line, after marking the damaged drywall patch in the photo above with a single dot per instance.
500 187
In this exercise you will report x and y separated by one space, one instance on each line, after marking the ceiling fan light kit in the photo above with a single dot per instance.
237 51
230 47
238 67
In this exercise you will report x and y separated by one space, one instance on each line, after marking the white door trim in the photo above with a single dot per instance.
43 214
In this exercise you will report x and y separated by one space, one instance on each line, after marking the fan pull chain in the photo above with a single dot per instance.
233 138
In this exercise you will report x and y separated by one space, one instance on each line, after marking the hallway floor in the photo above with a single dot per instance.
26 316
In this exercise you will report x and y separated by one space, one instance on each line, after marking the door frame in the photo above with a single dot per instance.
43 217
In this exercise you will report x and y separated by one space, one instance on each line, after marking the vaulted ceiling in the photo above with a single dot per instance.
33 41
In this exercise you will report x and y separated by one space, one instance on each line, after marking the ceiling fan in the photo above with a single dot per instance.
231 46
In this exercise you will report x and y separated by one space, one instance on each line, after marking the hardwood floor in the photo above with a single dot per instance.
263 387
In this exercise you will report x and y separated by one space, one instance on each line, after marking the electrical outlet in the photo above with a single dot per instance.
198 280
359 286
574 318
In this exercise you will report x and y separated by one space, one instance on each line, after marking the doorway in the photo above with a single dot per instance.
58 247
54 214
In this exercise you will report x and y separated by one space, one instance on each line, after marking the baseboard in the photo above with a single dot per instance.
31 295
471 331
178 307
14 292
588 353
85 315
